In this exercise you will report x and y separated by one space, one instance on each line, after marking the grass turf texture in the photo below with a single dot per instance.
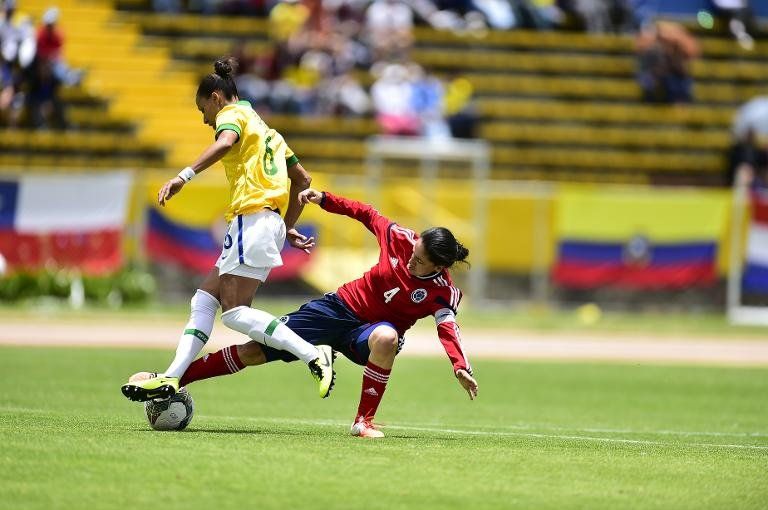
541 435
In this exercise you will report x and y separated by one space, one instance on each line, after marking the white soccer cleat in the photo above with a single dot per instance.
365 428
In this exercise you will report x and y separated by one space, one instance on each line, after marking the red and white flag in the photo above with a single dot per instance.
756 267
70 220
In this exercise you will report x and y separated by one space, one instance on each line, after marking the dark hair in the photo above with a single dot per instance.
442 247
222 79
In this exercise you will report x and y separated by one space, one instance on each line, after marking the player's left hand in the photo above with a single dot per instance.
467 382
300 241
169 189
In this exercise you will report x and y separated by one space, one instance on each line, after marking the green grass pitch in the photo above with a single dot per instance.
541 435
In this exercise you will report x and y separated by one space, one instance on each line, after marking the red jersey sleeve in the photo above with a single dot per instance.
363 213
448 332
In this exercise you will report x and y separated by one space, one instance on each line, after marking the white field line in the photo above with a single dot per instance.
334 423
487 433
616 431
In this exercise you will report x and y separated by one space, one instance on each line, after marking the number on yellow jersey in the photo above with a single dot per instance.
270 168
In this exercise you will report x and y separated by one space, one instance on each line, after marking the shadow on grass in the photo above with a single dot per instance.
390 436
243 431
259 431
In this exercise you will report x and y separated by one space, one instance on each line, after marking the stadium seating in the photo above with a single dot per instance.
555 105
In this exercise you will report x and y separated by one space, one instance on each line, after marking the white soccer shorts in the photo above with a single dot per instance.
252 245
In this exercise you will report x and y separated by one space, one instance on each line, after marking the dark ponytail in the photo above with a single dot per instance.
442 247
222 79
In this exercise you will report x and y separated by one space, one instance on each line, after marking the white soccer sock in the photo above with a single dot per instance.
196 333
267 330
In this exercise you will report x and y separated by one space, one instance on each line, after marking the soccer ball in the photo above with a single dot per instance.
172 413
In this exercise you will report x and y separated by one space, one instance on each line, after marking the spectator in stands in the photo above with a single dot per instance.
44 106
459 110
343 11
295 91
600 16
50 40
499 14
254 89
740 20
461 16
7 94
652 66
50 46
314 67
389 25
427 103
343 95
348 51
250 78
17 36
643 12
286 19
537 14
17 52
594 15
665 52
527 14
392 101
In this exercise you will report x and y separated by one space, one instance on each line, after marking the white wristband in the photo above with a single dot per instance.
187 174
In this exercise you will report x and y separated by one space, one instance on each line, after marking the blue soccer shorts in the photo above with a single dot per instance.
328 321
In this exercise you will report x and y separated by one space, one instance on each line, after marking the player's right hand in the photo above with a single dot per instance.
310 195
169 189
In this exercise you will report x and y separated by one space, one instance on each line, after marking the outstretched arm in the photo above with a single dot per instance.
227 138
363 213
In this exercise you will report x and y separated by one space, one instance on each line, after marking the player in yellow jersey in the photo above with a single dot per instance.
265 179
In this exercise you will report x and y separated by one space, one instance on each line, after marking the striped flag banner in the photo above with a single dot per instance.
756 268
638 239
189 231
70 220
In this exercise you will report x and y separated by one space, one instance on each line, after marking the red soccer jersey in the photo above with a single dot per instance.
388 291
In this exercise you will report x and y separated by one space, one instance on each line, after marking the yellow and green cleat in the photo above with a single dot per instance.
156 386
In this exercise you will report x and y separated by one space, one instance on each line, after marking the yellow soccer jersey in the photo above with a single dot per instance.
256 166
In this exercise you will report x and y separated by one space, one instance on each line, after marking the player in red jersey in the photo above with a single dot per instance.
366 319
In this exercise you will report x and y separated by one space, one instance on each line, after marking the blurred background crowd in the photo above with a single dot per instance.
352 57
630 92
32 68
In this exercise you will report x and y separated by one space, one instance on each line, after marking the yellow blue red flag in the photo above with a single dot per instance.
638 239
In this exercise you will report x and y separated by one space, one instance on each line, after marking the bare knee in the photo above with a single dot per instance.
251 354
383 341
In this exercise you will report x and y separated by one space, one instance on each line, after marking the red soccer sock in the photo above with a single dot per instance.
223 362
374 383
